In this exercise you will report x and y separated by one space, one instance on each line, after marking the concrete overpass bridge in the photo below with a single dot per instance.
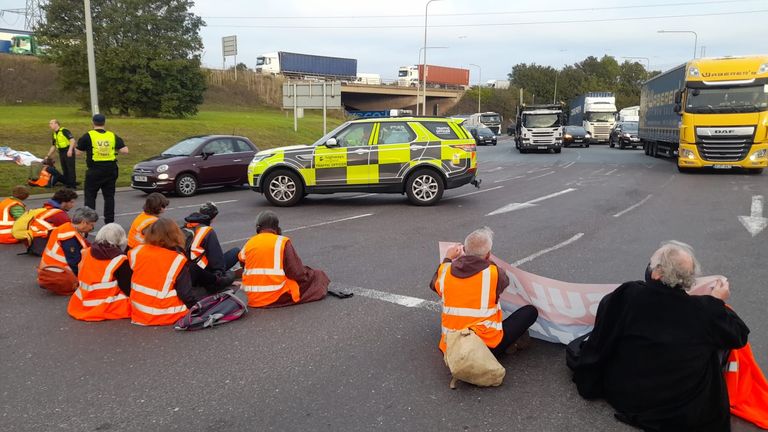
363 97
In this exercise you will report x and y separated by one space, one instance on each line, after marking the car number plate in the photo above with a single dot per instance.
722 166
542 147
140 178
578 140
635 139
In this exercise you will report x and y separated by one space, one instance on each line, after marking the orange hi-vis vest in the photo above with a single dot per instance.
7 219
470 303
39 226
98 296
196 250
53 255
153 285
747 387
136 233
42 180
264 279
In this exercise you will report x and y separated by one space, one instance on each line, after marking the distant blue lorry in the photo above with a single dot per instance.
304 66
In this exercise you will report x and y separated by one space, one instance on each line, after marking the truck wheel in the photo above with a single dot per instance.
586 145
654 150
610 143
424 187
558 150
621 145
283 188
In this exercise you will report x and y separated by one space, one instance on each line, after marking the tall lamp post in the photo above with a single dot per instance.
479 84
554 96
91 58
424 65
695 37
418 88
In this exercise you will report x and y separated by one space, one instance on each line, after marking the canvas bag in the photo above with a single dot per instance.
220 308
470 360
58 280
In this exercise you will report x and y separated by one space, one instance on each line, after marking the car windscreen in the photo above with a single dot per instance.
484 132
629 128
541 120
184 147
576 130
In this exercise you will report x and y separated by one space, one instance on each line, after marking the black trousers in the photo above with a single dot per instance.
101 179
514 326
67 168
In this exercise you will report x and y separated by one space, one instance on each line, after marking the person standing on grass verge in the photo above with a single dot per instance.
64 142
101 147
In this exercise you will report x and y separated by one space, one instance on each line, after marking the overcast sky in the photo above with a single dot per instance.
494 34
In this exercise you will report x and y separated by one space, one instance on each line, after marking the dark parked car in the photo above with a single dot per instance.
624 135
576 135
194 163
483 135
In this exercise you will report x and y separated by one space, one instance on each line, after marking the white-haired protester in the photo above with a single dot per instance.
104 279
470 286
656 353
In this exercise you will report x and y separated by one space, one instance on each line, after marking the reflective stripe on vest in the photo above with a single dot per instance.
40 226
470 303
99 302
54 254
103 146
264 279
60 139
154 300
136 232
196 249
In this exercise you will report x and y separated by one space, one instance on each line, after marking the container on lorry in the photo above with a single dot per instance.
490 120
437 76
539 127
595 112
307 66
629 114
709 113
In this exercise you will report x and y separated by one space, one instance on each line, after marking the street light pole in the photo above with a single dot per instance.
91 58
479 84
418 88
554 96
424 65
695 37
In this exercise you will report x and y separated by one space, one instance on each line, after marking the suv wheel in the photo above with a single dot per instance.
186 185
283 188
424 187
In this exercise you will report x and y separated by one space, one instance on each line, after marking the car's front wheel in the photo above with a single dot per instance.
186 185
283 188
424 187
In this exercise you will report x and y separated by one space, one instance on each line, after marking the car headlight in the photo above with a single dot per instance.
763 68
162 168
758 155
687 154
626 135
568 136
587 135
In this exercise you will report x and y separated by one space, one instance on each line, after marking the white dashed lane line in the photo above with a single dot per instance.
632 207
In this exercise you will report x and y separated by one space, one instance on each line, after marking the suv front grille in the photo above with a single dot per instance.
731 147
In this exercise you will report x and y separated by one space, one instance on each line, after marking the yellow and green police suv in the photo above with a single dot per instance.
418 156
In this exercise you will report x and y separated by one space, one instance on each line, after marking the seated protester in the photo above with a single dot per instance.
154 206
210 265
104 279
161 290
656 353
273 274
63 200
470 286
11 209
44 174
59 263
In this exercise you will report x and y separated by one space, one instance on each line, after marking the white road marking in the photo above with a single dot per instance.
538 170
531 203
611 172
547 250
755 222
473 193
568 164
540 176
307 226
509 178
407 301
357 196
494 170
596 171
632 207
179 207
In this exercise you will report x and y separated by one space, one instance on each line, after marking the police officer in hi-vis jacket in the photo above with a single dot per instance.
101 147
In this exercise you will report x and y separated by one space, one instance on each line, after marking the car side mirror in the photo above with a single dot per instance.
332 142
206 155
678 108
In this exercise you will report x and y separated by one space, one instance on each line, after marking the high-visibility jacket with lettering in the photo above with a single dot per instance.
98 296
154 300
43 179
747 387
60 139
264 279
136 233
196 250
103 145
39 226
7 219
54 255
470 303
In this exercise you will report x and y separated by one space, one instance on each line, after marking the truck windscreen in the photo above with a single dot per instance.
600 116
260 61
727 100
402 73
541 120
490 119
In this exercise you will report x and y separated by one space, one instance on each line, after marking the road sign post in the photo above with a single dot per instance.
229 48
311 95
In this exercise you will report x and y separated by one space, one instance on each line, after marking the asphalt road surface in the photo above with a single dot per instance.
371 362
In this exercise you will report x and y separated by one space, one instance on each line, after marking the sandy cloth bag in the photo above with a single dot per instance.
470 360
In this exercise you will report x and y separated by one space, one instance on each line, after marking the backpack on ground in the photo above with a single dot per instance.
220 308
20 229
470 360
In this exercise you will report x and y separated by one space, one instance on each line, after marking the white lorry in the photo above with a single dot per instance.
595 112
629 114
368 78
539 127
491 120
